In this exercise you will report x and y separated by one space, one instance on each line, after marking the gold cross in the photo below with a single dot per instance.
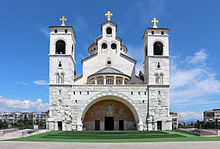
63 19
155 21
109 15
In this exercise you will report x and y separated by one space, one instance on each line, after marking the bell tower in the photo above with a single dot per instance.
156 75
61 71
62 48
156 55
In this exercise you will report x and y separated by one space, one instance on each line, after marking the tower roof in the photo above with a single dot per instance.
153 29
64 27
109 22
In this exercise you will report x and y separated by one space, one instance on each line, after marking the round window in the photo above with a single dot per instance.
109 62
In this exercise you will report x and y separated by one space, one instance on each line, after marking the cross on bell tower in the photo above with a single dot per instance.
155 21
63 19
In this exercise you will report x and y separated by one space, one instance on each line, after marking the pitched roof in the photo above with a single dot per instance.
109 70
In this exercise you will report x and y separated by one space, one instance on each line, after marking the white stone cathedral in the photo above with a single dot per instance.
108 95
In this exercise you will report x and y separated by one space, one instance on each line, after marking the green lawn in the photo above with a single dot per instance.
114 136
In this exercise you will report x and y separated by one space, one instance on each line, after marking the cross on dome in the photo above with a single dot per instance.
63 19
108 15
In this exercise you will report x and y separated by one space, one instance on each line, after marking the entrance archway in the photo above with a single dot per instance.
109 114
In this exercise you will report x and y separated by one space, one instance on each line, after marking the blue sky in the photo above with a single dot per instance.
194 38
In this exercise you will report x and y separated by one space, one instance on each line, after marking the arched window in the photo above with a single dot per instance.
161 79
62 78
104 46
157 79
57 78
109 30
158 48
113 46
60 47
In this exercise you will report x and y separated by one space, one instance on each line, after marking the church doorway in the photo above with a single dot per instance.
121 124
97 125
60 126
109 123
109 115
159 125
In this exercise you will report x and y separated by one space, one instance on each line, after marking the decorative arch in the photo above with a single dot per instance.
60 47
158 48
57 75
157 77
62 74
113 96
60 38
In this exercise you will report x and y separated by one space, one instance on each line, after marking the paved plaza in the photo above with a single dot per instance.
153 145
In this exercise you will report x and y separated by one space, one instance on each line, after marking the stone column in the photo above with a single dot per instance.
104 80
56 125
95 80
114 80
140 126
123 80
79 126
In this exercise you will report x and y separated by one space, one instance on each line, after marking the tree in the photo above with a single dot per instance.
3 124
20 124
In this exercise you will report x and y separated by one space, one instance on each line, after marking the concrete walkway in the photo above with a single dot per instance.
21 133
150 145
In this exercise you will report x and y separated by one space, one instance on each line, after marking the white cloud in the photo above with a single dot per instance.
21 83
45 31
189 115
193 83
19 105
40 82
198 57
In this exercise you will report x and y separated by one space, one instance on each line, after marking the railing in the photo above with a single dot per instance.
5 131
199 132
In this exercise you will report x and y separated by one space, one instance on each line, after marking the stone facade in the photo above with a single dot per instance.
109 79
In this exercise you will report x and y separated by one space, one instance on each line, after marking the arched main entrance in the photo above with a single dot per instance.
109 114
